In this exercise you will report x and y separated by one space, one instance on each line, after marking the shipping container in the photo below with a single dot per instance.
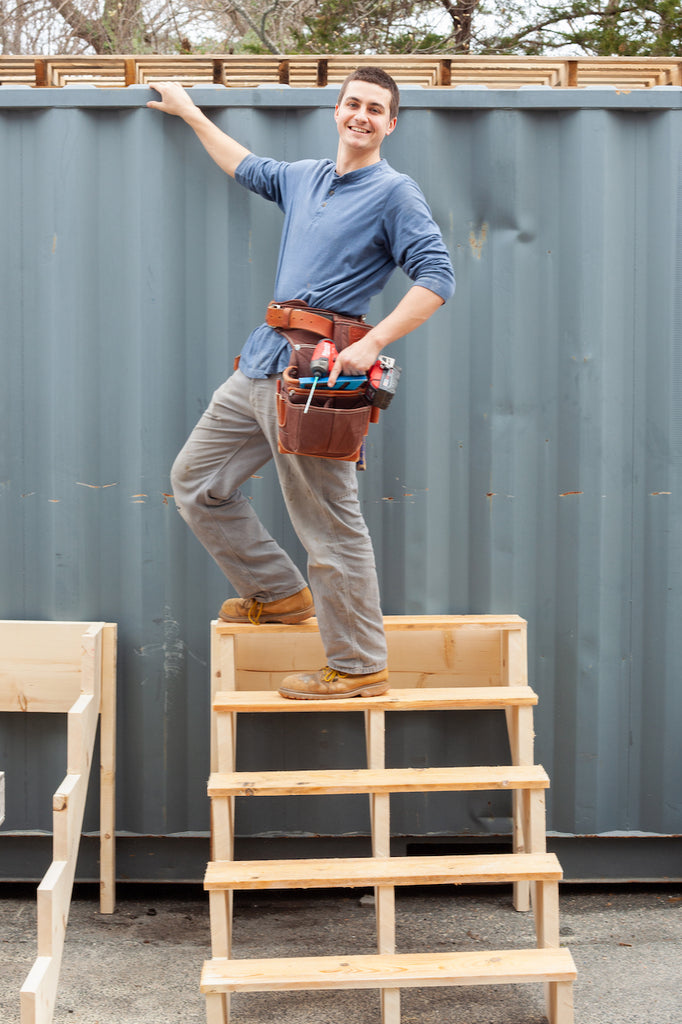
529 463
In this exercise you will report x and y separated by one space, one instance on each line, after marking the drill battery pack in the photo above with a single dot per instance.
382 383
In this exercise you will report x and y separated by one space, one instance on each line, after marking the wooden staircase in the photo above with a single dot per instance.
431 661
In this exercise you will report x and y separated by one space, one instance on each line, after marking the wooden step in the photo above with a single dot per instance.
473 698
390 970
355 872
414 623
377 780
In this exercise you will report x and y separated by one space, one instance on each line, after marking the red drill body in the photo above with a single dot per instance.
324 357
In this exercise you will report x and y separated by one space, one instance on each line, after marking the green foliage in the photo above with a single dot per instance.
637 28
382 26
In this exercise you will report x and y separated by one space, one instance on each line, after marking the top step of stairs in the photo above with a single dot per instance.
391 623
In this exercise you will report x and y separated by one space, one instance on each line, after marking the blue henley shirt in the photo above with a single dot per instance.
343 236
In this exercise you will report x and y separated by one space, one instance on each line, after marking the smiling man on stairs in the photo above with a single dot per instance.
347 224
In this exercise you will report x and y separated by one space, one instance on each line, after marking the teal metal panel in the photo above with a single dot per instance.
530 462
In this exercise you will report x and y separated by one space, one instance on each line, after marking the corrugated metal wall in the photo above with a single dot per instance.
530 462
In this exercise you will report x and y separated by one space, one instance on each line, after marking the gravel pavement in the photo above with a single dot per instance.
141 965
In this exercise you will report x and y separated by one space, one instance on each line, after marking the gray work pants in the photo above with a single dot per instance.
233 439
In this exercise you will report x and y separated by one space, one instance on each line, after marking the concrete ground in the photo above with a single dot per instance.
141 965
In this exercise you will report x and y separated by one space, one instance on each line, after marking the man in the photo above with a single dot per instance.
347 225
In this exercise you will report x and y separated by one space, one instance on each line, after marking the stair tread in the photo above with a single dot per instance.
377 780
417 623
397 970
342 872
416 699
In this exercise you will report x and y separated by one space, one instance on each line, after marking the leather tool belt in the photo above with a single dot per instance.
294 316
337 421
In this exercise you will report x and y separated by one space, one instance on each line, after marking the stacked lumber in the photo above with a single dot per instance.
316 70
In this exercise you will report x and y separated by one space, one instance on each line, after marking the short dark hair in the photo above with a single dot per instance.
376 76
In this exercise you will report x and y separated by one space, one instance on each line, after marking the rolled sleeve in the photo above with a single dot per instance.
416 240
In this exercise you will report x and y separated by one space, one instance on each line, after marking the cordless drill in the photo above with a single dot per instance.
382 378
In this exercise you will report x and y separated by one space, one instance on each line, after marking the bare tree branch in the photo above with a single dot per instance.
253 25
89 29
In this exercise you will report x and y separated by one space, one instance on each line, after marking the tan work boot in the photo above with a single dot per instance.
288 609
328 684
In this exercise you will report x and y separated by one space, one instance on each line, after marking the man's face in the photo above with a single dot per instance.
363 117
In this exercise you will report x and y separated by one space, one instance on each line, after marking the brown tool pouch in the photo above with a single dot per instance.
333 427
337 421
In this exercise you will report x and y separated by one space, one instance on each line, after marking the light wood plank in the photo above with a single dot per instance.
546 909
40 695
222 678
535 835
82 726
217 1008
223 810
107 772
17 71
560 1009
464 656
190 71
39 991
109 72
418 623
220 916
384 895
404 970
223 754
390 1005
54 900
446 698
356 872
386 780
222 828
467 656
40 665
68 804
521 744
514 657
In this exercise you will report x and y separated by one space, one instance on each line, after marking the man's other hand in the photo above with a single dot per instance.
174 99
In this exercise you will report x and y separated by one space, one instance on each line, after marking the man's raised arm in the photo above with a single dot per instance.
226 152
